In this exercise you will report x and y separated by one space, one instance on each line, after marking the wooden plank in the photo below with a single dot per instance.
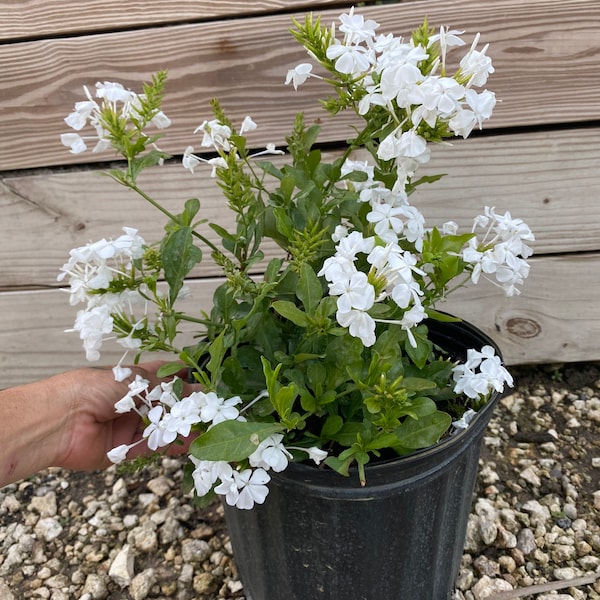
550 179
31 18
533 43
553 320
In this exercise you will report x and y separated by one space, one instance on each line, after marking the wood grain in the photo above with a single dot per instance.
541 49
32 18
553 320
550 179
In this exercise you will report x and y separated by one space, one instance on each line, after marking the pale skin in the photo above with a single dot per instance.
69 421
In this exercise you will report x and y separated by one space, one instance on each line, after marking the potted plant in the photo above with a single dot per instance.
338 403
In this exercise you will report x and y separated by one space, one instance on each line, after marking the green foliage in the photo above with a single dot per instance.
275 340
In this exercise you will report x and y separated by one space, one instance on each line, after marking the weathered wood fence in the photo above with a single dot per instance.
539 157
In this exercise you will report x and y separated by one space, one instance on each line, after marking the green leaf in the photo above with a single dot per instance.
232 441
341 466
423 432
291 312
420 354
420 407
179 256
442 316
284 401
151 159
192 206
225 235
332 425
283 223
170 368
309 289
417 384
217 353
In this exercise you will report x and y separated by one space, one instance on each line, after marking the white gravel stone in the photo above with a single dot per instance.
538 512
195 551
141 584
487 587
122 567
5 592
44 505
96 586
48 529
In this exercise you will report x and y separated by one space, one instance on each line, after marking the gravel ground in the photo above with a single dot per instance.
534 530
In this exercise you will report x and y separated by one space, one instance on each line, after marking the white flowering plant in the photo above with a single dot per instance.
326 356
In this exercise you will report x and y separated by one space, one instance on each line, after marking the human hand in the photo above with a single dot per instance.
70 421
94 427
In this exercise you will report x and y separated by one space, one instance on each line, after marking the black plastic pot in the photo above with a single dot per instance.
320 536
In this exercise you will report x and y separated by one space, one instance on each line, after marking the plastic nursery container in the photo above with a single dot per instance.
320 536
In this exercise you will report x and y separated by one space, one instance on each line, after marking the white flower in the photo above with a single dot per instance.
119 454
449 228
353 166
337 267
113 92
208 472
350 59
216 135
214 409
436 97
481 104
190 161
156 431
247 125
121 373
160 120
298 75
79 117
340 232
93 325
465 420
480 373
447 39
73 141
463 122
316 454
359 323
504 254
476 65
138 386
353 244
163 393
183 415
271 454
245 489
356 28
388 225
355 292
405 293
411 318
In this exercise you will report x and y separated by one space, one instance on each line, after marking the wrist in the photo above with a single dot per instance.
34 417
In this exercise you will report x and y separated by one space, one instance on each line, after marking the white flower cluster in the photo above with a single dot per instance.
389 70
501 252
122 101
169 417
481 372
90 270
393 269
217 135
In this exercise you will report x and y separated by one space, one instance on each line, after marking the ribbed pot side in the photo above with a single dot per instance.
320 536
